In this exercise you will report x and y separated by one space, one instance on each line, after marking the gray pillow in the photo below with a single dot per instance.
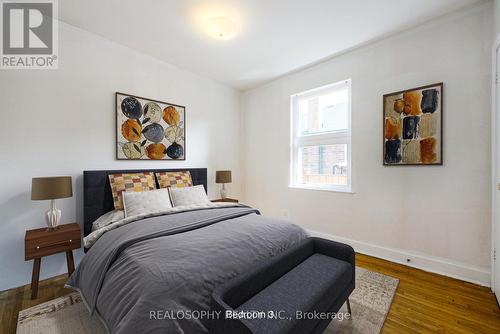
144 202
188 195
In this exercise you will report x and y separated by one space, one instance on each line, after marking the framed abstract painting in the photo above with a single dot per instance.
413 126
149 129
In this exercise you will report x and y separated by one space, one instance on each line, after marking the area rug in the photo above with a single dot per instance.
370 303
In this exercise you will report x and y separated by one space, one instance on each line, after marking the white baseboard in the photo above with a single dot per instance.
432 264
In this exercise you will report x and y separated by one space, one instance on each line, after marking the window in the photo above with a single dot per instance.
321 138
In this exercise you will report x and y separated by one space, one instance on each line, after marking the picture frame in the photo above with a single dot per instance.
149 129
412 126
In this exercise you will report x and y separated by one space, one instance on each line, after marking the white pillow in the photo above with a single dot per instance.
108 218
143 202
188 195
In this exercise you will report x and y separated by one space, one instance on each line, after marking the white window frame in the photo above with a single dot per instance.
322 138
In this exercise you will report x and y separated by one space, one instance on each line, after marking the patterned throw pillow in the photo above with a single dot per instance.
174 179
129 182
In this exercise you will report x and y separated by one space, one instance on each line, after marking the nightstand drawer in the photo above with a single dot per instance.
43 242
36 249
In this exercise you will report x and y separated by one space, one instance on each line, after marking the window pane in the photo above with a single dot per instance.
323 113
323 164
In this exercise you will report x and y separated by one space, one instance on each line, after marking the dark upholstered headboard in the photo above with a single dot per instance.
97 199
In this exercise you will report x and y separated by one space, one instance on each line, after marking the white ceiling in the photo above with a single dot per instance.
275 37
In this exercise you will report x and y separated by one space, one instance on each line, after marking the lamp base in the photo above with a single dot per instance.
223 192
53 216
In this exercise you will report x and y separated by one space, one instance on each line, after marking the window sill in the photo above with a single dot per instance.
322 188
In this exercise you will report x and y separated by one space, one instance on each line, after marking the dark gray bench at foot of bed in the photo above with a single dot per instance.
317 275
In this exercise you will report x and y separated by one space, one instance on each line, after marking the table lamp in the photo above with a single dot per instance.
223 176
45 188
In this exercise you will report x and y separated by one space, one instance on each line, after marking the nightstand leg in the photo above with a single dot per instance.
34 278
71 263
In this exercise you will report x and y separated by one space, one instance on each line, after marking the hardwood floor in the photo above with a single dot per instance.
14 300
431 303
424 302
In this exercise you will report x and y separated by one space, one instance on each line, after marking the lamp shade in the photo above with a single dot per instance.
223 176
43 188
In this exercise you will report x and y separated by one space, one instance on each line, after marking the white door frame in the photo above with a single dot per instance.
494 99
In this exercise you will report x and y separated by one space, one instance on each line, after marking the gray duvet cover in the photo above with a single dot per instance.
161 266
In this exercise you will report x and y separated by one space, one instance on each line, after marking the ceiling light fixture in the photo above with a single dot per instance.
221 28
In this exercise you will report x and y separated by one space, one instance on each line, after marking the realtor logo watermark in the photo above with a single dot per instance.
29 34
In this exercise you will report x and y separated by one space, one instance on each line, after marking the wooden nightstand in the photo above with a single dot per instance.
43 242
230 200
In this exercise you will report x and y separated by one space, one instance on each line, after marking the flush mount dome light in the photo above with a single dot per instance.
221 28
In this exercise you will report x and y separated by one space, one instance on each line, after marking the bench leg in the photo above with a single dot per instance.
348 306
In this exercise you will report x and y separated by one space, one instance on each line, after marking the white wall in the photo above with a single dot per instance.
496 13
439 217
61 122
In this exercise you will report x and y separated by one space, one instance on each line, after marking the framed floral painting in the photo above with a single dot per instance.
149 129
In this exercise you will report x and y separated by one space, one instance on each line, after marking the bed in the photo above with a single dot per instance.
156 274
